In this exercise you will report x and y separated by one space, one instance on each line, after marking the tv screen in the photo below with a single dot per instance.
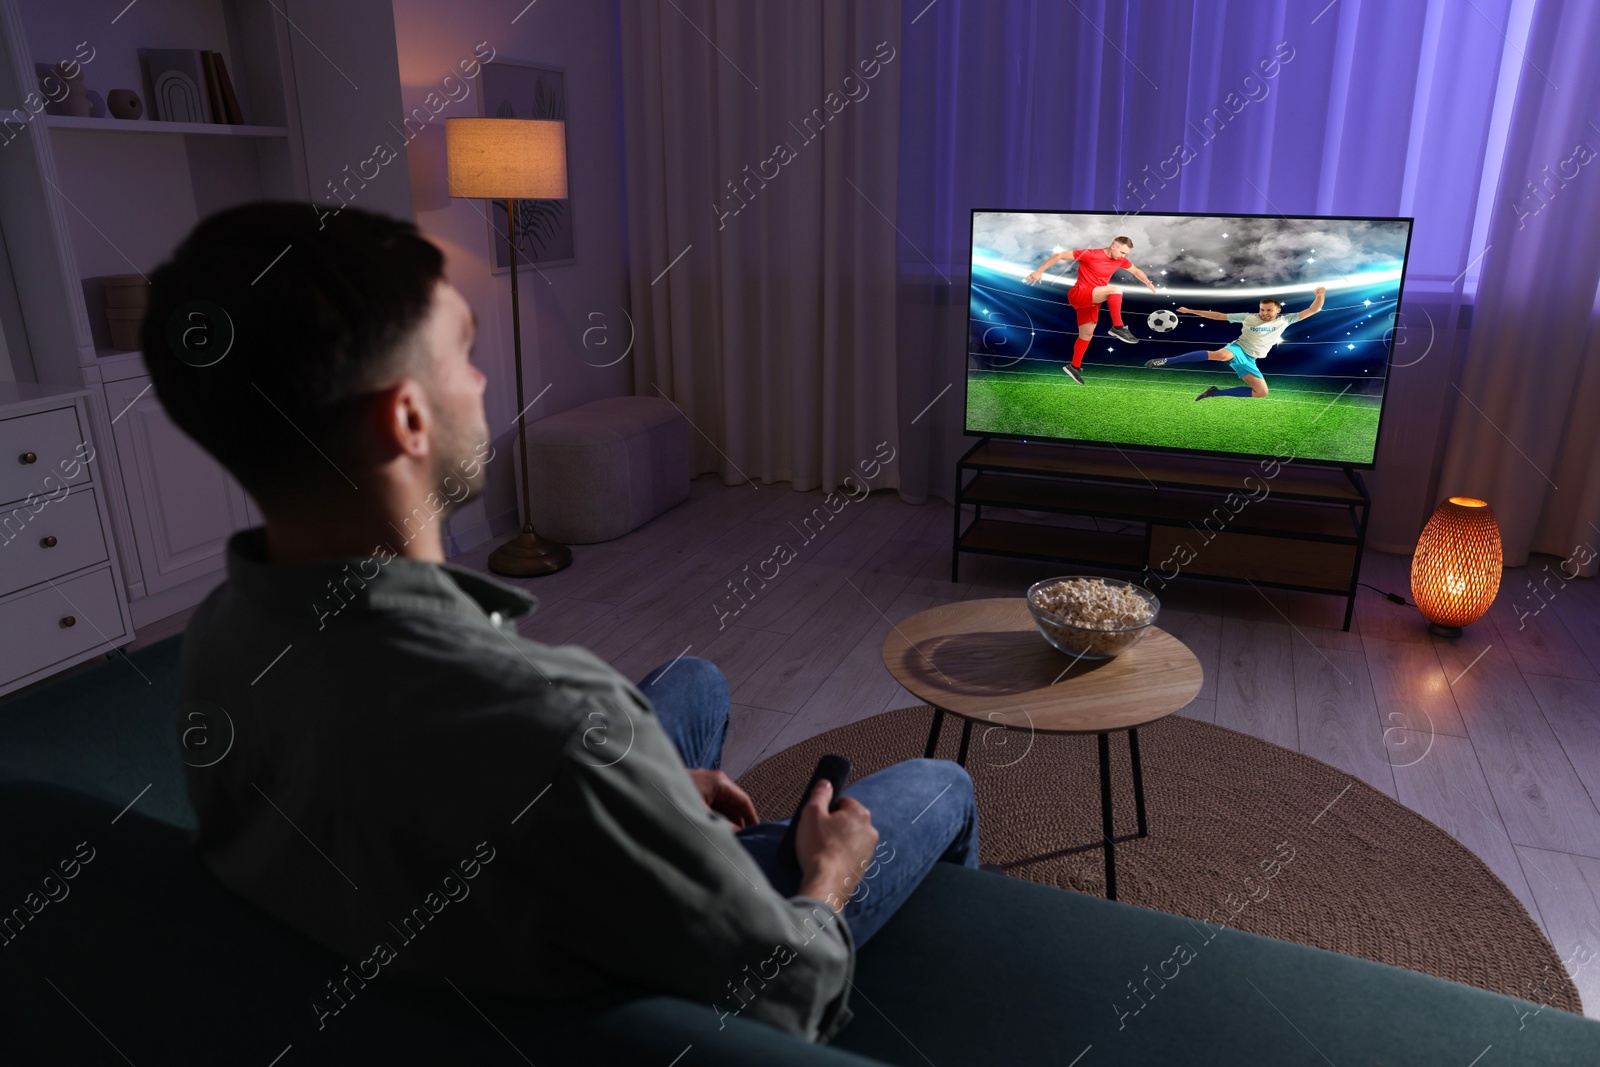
1238 335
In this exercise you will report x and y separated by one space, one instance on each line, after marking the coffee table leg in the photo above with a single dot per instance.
1138 781
1105 815
933 734
966 736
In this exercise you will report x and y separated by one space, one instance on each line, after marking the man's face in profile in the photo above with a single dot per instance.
455 393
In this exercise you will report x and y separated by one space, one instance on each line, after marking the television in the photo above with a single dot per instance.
1216 353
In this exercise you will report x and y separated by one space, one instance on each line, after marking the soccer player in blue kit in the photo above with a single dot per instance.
1260 330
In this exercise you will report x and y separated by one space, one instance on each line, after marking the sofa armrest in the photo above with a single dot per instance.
979 969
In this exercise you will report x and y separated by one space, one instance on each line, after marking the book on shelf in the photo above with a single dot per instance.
214 108
219 90
230 100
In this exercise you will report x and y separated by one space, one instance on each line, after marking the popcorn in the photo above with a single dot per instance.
1070 611
1093 604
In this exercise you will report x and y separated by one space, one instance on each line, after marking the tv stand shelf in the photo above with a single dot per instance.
1264 522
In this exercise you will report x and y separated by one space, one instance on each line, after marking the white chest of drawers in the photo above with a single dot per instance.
62 599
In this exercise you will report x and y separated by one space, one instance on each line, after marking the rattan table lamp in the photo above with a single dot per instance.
1455 573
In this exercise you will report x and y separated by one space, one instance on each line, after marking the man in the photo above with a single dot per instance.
410 782
1260 330
1095 268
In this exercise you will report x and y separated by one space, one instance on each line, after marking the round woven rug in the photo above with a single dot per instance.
1243 833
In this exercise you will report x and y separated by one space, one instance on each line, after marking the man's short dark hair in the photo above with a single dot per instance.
1274 301
1125 240
269 324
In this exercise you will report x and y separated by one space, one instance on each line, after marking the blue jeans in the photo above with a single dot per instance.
923 808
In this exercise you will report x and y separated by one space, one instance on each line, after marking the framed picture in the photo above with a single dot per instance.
515 90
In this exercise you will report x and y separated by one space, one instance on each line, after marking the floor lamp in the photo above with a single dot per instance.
511 160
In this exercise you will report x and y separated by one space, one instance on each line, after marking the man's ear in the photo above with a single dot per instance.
402 419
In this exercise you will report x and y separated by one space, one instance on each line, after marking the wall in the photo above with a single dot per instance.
345 83
560 304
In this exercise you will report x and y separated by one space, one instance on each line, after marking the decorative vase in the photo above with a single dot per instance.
124 104
76 102
125 326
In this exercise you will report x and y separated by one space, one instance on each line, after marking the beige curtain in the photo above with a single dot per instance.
761 152
1525 430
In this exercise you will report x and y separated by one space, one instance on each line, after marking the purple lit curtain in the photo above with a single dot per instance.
760 197
1300 107
1525 427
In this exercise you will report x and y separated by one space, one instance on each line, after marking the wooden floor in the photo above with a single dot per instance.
1494 736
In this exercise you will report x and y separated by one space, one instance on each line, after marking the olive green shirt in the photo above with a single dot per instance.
380 760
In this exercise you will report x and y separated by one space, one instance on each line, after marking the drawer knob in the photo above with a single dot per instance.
28 457
68 621
47 542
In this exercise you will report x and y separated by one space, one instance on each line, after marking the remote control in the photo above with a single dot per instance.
834 769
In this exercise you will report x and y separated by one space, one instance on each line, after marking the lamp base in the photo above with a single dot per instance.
1444 631
528 555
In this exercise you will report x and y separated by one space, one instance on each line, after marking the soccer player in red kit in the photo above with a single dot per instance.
1095 268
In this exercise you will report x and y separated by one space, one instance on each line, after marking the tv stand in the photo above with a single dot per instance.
1265 522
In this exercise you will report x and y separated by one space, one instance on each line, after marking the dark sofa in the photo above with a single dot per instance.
143 958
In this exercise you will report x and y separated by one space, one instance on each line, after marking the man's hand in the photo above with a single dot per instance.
834 847
723 796
1315 305
1144 278
1187 311
1033 277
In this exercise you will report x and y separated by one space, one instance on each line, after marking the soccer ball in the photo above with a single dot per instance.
1162 321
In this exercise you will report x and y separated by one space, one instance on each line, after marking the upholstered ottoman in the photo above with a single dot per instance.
605 468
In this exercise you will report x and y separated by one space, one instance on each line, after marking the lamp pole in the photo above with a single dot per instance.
527 555
516 345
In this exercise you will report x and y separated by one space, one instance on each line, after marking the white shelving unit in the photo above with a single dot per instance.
90 197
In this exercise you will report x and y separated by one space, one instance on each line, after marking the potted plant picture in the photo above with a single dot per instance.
542 229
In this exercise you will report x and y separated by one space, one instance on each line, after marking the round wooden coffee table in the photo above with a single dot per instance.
986 661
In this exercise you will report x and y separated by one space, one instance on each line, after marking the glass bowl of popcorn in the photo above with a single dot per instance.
1092 618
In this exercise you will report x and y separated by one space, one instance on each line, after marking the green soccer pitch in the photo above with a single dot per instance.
1133 405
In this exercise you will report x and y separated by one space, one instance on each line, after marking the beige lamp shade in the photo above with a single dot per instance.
506 159
1455 573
